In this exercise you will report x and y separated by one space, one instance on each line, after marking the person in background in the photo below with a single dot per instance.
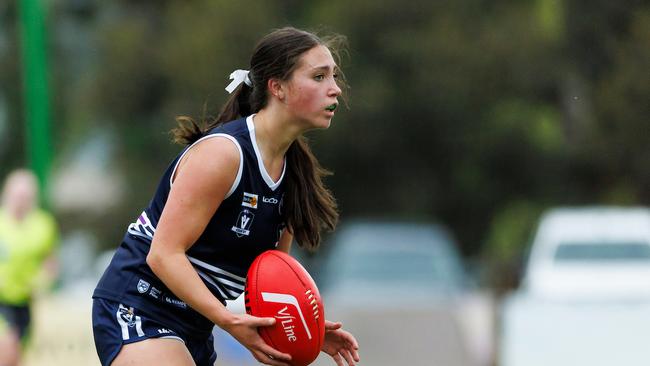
246 182
28 237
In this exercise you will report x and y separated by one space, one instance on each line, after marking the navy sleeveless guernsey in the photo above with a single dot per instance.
248 222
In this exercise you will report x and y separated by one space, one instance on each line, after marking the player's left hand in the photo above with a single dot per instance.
340 344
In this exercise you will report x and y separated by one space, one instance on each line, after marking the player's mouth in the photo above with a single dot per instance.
331 107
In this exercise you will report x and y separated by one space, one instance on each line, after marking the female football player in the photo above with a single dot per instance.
245 183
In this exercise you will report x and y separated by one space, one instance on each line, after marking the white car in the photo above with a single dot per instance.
585 296
591 252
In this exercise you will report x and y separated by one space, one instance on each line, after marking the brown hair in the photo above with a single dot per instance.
309 206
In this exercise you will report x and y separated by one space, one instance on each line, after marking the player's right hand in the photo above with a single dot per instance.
243 328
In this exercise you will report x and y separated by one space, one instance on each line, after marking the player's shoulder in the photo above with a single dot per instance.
216 146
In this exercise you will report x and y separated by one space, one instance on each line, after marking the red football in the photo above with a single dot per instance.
278 286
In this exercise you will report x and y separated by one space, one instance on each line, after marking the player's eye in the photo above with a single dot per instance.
319 77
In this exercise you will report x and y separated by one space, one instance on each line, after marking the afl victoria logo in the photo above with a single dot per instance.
243 224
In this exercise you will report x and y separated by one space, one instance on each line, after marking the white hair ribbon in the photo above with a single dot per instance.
238 77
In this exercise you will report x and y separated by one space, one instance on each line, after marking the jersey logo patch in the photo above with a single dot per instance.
250 200
243 224
143 286
270 200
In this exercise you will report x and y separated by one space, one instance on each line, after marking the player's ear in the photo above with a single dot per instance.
276 88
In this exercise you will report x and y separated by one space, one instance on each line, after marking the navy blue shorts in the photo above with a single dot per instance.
115 325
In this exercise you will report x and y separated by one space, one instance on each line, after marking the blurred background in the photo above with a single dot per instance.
468 118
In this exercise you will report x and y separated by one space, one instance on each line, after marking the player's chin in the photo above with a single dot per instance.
319 122
321 125
326 121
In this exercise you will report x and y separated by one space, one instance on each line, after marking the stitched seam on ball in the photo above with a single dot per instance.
307 287
294 272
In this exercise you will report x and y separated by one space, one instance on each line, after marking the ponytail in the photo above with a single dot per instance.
188 130
308 205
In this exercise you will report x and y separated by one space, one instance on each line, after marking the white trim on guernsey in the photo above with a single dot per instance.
223 281
241 160
210 281
216 283
142 227
265 175
214 269
230 287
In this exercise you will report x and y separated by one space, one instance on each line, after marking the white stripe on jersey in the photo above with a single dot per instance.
142 227
214 284
237 286
214 269
220 284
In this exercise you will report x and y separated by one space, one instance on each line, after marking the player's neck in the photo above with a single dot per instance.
273 136
274 133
